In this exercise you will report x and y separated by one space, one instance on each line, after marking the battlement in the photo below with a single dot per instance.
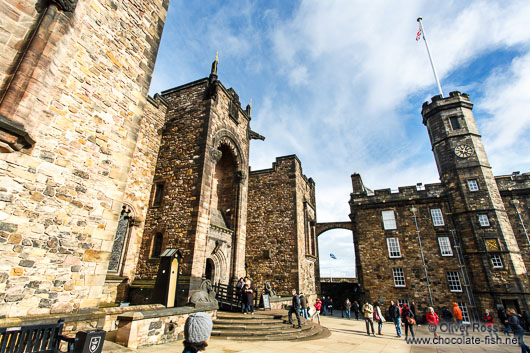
282 160
513 182
438 103
363 195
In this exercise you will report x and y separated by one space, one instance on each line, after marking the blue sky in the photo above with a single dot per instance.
341 84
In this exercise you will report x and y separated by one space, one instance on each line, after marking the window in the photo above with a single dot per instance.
393 247
483 220
437 218
455 122
472 185
403 301
445 246
465 313
454 282
157 245
389 220
399 277
159 193
496 261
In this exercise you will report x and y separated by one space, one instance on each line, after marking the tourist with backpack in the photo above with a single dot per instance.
409 320
378 316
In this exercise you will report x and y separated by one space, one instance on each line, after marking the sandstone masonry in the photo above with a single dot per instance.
282 246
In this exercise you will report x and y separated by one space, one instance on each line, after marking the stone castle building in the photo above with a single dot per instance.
97 178
462 240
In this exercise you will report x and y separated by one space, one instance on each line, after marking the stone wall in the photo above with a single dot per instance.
516 188
61 200
280 205
372 251
204 122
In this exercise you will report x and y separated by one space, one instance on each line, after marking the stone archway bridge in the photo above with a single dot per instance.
322 227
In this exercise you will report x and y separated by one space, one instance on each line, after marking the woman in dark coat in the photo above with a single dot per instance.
248 298
406 315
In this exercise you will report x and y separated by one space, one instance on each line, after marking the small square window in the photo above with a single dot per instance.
472 185
496 261
483 220
445 246
454 282
389 220
437 218
393 247
455 123
399 277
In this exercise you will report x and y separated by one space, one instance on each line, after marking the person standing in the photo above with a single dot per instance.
248 297
324 306
457 314
303 305
318 307
295 308
395 316
504 319
379 317
517 329
433 320
239 291
368 311
489 322
356 309
197 330
412 308
447 316
330 306
408 319
347 307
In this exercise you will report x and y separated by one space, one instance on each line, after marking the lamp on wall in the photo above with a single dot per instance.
414 210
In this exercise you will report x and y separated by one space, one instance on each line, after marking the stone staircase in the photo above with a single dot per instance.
264 326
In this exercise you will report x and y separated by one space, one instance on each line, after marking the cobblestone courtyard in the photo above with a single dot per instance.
346 336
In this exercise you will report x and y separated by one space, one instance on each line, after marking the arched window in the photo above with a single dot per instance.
157 245
120 240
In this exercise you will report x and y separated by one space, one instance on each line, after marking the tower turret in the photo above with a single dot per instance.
490 249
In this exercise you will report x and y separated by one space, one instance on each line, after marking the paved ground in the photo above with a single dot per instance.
346 336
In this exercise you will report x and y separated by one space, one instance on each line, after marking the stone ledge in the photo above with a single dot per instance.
51 319
154 313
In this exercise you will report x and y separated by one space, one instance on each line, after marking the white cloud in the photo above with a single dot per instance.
341 83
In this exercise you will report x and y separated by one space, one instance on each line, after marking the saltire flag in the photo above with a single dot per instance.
332 256
418 35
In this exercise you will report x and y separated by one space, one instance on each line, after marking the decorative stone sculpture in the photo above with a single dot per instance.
205 296
269 290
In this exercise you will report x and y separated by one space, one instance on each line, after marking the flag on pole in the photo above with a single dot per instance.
332 256
418 35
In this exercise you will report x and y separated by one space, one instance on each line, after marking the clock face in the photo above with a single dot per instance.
463 151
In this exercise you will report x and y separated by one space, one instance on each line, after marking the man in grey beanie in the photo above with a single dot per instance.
197 331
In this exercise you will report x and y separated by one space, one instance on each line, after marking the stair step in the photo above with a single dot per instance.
259 332
234 316
316 332
246 322
249 327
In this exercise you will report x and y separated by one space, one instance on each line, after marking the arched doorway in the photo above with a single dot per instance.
210 270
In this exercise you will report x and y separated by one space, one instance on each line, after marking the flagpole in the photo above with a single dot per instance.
430 58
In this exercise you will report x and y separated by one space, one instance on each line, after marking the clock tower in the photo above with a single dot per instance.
495 266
